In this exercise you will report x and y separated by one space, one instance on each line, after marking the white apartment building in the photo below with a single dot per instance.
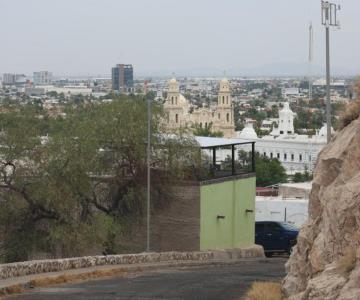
42 78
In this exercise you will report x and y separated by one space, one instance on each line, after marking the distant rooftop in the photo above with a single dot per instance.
207 142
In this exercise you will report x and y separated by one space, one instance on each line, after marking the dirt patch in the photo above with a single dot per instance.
11 290
70 278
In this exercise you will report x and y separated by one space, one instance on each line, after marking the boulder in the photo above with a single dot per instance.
325 262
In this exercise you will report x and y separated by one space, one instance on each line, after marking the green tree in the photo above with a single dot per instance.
199 130
76 188
269 171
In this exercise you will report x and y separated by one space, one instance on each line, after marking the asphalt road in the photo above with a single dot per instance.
219 282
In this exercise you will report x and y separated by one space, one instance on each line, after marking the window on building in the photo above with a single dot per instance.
227 117
176 100
172 100
309 157
176 118
292 157
265 154
227 99
219 116
271 155
223 99
300 157
281 132
278 155
285 156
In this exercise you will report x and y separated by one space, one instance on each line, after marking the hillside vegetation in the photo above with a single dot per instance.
70 185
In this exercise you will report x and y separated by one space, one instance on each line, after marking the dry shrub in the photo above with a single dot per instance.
352 111
347 262
11 290
69 278
264 291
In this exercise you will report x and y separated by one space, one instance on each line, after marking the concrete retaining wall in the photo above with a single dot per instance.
56 265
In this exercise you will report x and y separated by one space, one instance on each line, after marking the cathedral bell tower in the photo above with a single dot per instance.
286 120
173 92
172 105
225 110
224 97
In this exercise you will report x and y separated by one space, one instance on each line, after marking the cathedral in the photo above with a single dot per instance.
220 115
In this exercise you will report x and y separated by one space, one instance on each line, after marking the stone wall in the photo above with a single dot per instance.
174 227
55 265
178 227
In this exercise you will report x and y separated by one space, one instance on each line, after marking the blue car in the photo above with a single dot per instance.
275 237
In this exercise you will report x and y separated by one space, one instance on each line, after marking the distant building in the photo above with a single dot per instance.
122 78
42 78
35 91
220 115
12 79
296 152
69 90
291 94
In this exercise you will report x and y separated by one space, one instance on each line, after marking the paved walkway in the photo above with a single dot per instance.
217 281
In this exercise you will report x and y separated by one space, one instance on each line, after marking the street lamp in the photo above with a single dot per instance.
328 18
148 173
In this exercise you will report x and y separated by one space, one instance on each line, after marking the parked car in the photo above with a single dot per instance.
275 237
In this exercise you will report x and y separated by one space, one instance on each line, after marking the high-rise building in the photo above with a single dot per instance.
12 79
122 78
42 78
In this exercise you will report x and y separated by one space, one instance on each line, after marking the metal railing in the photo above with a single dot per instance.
228 160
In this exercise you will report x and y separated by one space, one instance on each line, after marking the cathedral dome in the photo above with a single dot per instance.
173 80
248 132
323 131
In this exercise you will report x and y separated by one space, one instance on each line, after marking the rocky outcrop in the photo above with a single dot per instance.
325 262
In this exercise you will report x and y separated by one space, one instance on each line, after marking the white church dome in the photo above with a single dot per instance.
248 132
323 131
172 80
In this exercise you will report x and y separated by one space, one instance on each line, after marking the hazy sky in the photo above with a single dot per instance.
89 36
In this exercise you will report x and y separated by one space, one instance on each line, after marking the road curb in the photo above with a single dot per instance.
19 277
19 285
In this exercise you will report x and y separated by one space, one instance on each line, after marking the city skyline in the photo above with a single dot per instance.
162 37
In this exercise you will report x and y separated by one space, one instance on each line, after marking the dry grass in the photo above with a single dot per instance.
347 262
11 290
352 111
70 278
264 291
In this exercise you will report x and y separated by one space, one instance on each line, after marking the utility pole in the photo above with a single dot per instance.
328 18
148 171
311 55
